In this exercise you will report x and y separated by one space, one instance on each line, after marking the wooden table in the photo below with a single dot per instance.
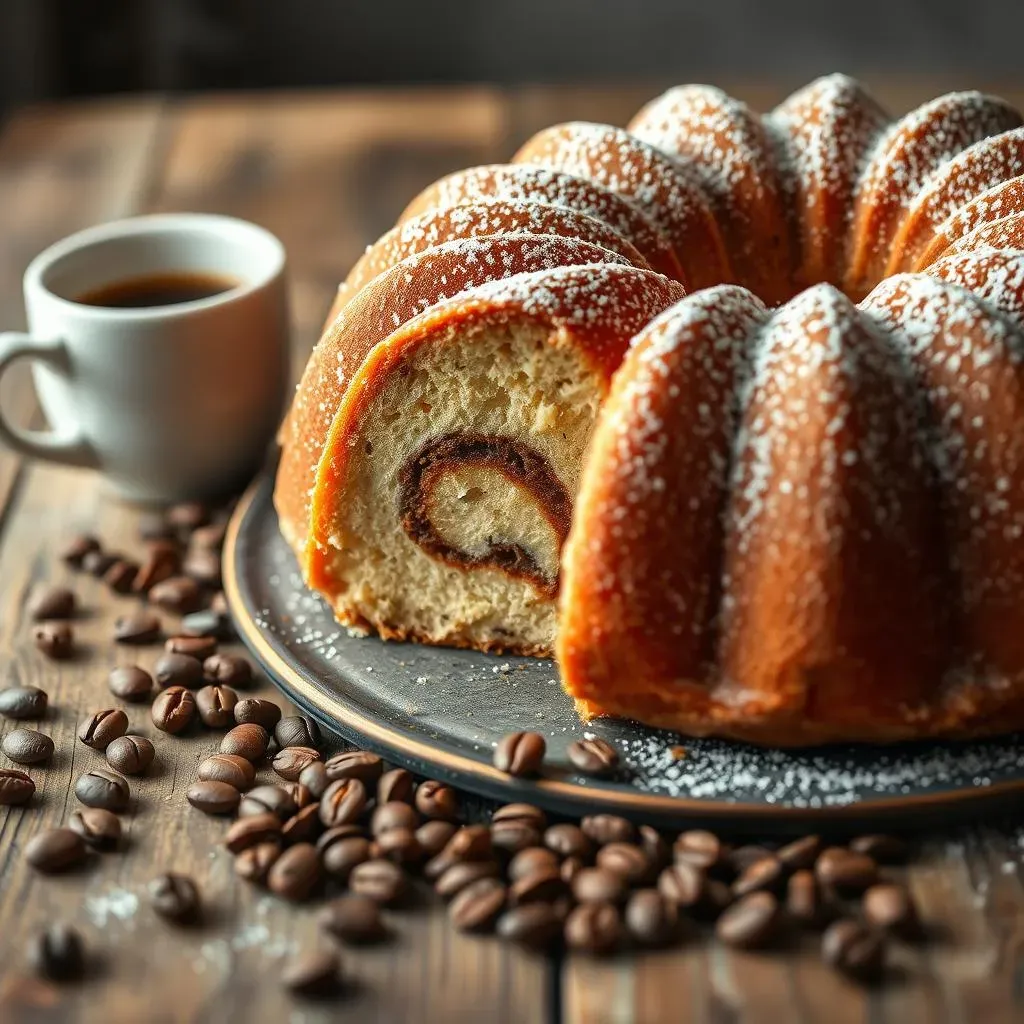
328 173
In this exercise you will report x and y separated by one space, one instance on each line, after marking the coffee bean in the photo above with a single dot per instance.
99 828
804 903
353 919
53 603
354 764
15 787
682 884
652 842
246 832
139 627
206 624
254 864
312 975
178 595
303 826
845 870
766 873
175 897
513 836
212 797
391 816
471 842
650 919
520 753
173 710
398 845
295 873
209 538
161 563
882 849
203 566
77 548
290 761
699 848
891 908
54 639
198 647
101 728
740 858
593 756
231 769
57 849
129 682
249 741
21 702
596 885
568 841
273 799
594 928
545 884
216 706
103 788
459 876
253 710
219 603
531 860
436 800
341 856
339 832
533 925
608 828
130 755
314 778
121 575
98 563
299 731
854 949
229 669
187 516
57 953
26 746
343 802
178 670
395 786
627 860
433 836
751 922
384 882
801 853
521 812
476 907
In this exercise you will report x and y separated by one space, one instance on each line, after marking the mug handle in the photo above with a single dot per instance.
72 450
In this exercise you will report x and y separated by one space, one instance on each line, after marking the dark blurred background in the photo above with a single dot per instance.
52 48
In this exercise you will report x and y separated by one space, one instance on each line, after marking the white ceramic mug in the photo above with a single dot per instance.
171 401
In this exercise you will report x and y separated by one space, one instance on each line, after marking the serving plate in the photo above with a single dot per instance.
439 712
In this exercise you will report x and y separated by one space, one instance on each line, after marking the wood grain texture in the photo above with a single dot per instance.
328 173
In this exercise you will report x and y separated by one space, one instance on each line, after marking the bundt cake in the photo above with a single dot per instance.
734 401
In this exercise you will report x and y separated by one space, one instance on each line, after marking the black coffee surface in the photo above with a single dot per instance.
163 289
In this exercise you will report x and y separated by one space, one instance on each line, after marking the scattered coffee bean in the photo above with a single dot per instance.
650 919
740 858
571 867
545 884
101 728
254 864
882 849
129 682
264 713
299 731
594 928
608 828
533 925
103 788
198 647
161 563
804 903
130 755
139 627
751 922
206 624
398 845
340 857
97 563
699 848
173 710
682 884
511 836
77 548
353 764
26 746
246 832
53 603
99 828
216 706
766 873
384 882
845 870
652 842
273 799
393 815
121 575
436 800
312 975
303 826
231 670
57 953
854 949
530 861
178 670
459 876
891 908
229 768
596 885
626 860
521 812
21 702
15 787
801 853
568 841
395 786
212 797
520 753
353 919
314 778
343 802
176 594
290 761
593 756
203 566
295 873
57 849
477 906
433 836
54 639
471 842
175 897
249 741
187 516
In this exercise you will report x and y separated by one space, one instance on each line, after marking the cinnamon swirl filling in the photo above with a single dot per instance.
521 465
